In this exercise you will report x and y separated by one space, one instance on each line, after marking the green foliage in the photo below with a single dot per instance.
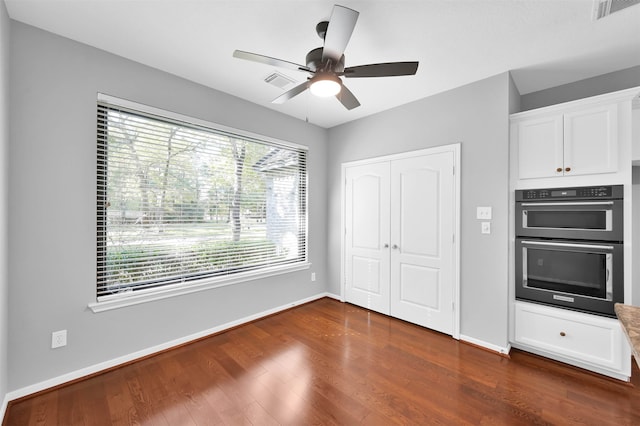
137 264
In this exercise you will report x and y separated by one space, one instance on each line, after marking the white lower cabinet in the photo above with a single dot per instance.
588 341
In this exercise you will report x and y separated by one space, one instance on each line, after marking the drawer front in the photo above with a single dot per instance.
583 337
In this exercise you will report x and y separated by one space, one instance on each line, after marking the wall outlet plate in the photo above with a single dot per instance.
483 213
58 339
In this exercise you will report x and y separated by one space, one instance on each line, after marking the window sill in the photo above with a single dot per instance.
130 299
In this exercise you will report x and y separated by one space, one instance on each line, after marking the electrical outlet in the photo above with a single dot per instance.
58 339
483 213
313 276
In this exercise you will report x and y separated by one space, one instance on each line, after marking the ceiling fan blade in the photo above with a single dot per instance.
268 60
390 69
291 93
347 98
341 25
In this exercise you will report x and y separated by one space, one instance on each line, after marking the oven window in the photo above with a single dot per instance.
576 219
574 272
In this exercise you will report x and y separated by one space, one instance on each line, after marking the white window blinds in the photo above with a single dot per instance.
180 202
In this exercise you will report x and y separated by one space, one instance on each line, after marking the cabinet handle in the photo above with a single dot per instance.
386 245
562 333
395 247
559 169
568 169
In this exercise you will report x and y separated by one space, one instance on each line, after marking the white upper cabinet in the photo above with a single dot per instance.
591 141
540 147
580 142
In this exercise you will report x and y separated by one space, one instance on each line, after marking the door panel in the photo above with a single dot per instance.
367 232
365 221
366 274
420 286
422 217
419 224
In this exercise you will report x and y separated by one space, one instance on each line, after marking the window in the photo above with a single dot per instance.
180 203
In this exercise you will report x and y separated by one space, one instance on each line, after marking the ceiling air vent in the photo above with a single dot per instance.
602 8
279 80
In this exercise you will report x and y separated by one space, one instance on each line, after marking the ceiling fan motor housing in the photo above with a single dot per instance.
314 62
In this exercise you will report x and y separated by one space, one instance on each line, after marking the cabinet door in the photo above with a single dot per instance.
540 150
591 141
367 236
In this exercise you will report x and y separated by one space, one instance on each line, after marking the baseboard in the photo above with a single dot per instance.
334 296
100 367
485 345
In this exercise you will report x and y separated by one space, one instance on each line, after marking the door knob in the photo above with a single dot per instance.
568 169
559 169
386 245
395 247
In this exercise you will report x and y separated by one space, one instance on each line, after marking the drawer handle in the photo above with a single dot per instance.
562 333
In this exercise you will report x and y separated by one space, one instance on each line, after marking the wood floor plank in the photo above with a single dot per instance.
330 363
45 410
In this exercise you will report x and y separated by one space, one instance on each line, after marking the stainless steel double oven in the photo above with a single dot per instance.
569 247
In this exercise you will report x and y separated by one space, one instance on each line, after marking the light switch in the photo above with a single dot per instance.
483 213
486 227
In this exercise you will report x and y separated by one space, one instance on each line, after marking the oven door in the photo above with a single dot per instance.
584 220
585 276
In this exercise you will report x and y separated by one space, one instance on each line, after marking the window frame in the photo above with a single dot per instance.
193 285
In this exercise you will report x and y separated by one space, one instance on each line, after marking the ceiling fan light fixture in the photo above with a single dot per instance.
325 85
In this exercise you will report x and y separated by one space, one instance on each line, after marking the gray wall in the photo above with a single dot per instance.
52 237
514 97
605 83
477 115
4 144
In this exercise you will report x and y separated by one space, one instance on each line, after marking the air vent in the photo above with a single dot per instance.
603 8
279 80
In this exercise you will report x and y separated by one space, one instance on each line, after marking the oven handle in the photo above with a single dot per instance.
608 280
590 246
596 203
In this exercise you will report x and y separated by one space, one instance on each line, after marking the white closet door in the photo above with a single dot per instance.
367 236
422 249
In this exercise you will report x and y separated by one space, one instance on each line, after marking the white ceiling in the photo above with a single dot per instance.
544 43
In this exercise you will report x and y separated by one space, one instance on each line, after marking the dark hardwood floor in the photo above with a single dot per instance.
332 363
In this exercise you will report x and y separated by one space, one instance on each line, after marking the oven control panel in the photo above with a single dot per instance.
584 192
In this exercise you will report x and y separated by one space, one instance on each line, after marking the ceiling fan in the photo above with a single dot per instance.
326 64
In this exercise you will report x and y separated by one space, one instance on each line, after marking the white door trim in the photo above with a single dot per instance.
455 149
